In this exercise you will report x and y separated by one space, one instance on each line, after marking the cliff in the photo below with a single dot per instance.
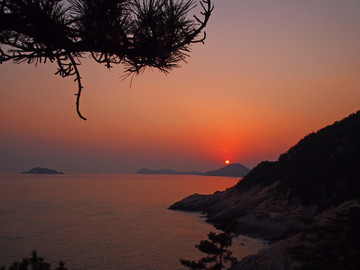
321 173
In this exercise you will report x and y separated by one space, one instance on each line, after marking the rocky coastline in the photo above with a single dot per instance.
318 179
259 212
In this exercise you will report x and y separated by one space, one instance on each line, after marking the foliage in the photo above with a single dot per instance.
34 263
322 169
333 246
138 33
216 248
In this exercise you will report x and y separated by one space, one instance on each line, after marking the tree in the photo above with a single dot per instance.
217 249
137 33
34 263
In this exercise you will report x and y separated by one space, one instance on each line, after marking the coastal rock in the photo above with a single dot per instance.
315 179
321 171
258 212
276 257
195 202
39 170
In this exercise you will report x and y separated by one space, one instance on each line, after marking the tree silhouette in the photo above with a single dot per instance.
216 248
137 33
34 263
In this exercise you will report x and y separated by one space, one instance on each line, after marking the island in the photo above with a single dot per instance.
39 170
165 171
231 170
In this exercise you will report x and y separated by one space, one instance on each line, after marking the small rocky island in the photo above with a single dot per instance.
306 203
231 170
39 170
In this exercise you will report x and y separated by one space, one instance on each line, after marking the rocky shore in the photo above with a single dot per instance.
316 180
277 257
259 212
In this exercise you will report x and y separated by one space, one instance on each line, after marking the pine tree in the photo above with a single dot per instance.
137 33
216 248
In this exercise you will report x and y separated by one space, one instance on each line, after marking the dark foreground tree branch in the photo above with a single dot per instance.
138 33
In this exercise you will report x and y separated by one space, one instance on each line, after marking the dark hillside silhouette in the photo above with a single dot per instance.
138 33
320 173
322 169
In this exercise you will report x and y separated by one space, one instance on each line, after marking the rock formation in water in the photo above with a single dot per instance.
39 170
318 175
231 170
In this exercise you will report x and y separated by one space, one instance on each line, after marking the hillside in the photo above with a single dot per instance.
323 169
317 181
319 172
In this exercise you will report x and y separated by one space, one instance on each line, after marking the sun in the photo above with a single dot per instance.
227 161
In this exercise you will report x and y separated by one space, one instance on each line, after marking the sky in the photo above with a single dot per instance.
270 72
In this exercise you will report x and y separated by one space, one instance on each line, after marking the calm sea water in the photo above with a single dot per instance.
106 221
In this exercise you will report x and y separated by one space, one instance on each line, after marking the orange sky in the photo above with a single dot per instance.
269 73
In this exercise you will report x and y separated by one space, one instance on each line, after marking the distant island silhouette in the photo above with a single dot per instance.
39 170
231 170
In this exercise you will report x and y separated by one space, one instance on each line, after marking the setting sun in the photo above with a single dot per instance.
227 162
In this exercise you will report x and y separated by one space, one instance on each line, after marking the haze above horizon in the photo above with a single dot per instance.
270 72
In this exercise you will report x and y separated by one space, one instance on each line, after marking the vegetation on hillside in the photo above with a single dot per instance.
333 246
323 169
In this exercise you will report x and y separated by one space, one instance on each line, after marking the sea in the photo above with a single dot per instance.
107 221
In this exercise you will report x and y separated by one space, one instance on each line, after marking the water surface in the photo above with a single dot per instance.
106 221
